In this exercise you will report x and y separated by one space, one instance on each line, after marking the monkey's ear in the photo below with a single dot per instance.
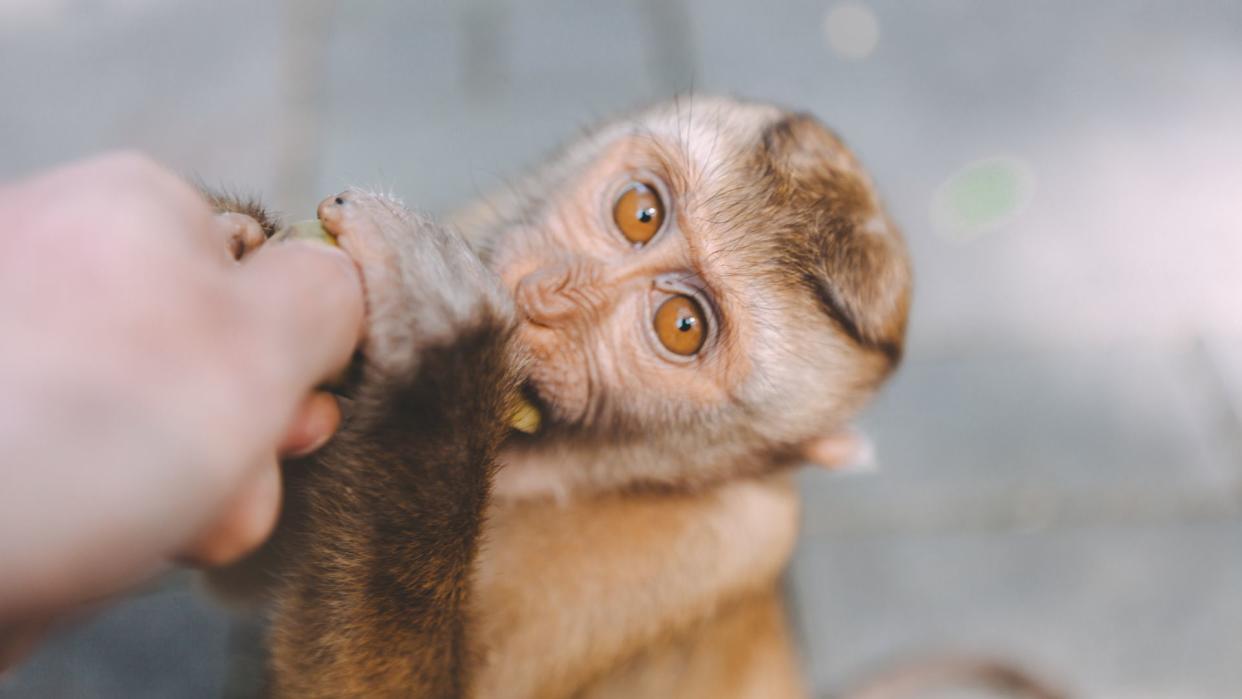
846 449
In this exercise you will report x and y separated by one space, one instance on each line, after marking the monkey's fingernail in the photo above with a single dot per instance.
525 417
306 230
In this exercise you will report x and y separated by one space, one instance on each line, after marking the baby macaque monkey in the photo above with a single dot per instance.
705 290
695 297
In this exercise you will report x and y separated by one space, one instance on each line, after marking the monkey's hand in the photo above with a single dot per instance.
425 287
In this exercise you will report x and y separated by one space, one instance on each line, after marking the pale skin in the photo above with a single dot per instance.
149 381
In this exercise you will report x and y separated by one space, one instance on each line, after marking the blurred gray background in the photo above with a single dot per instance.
1059 459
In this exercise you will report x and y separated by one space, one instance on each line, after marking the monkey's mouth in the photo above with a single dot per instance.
533 393
553 420
531 416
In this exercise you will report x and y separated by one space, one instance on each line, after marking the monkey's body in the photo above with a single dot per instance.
635 547
606 596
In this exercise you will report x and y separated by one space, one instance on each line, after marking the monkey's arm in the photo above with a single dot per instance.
566 593
374 553
383 538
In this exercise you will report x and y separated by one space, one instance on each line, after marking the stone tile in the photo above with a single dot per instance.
1139 611
169 642
1221 381
195 85
1223 359
1003 439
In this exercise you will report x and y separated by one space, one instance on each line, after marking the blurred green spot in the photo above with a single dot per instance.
982 197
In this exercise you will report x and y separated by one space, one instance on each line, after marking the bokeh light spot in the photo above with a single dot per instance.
982 197
852 30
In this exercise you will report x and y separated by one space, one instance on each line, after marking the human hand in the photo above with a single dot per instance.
148 381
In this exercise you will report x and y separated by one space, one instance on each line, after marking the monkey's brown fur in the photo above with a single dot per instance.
375 603
821 204
658 574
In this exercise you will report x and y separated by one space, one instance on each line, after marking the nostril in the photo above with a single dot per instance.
561 293
539 299
527 298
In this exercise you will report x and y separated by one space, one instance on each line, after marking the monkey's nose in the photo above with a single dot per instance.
560 293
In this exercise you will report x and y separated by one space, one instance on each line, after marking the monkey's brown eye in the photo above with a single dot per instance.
638 212
681 325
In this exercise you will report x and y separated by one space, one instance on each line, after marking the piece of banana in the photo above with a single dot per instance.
525 417
306 230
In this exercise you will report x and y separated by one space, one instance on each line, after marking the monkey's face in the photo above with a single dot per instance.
622 314
723 279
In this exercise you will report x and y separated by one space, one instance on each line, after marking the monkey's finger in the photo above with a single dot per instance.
314 425
312 298
243 524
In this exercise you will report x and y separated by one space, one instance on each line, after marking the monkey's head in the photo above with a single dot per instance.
705 289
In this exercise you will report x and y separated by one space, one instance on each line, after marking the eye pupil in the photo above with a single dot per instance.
638 212
679 325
